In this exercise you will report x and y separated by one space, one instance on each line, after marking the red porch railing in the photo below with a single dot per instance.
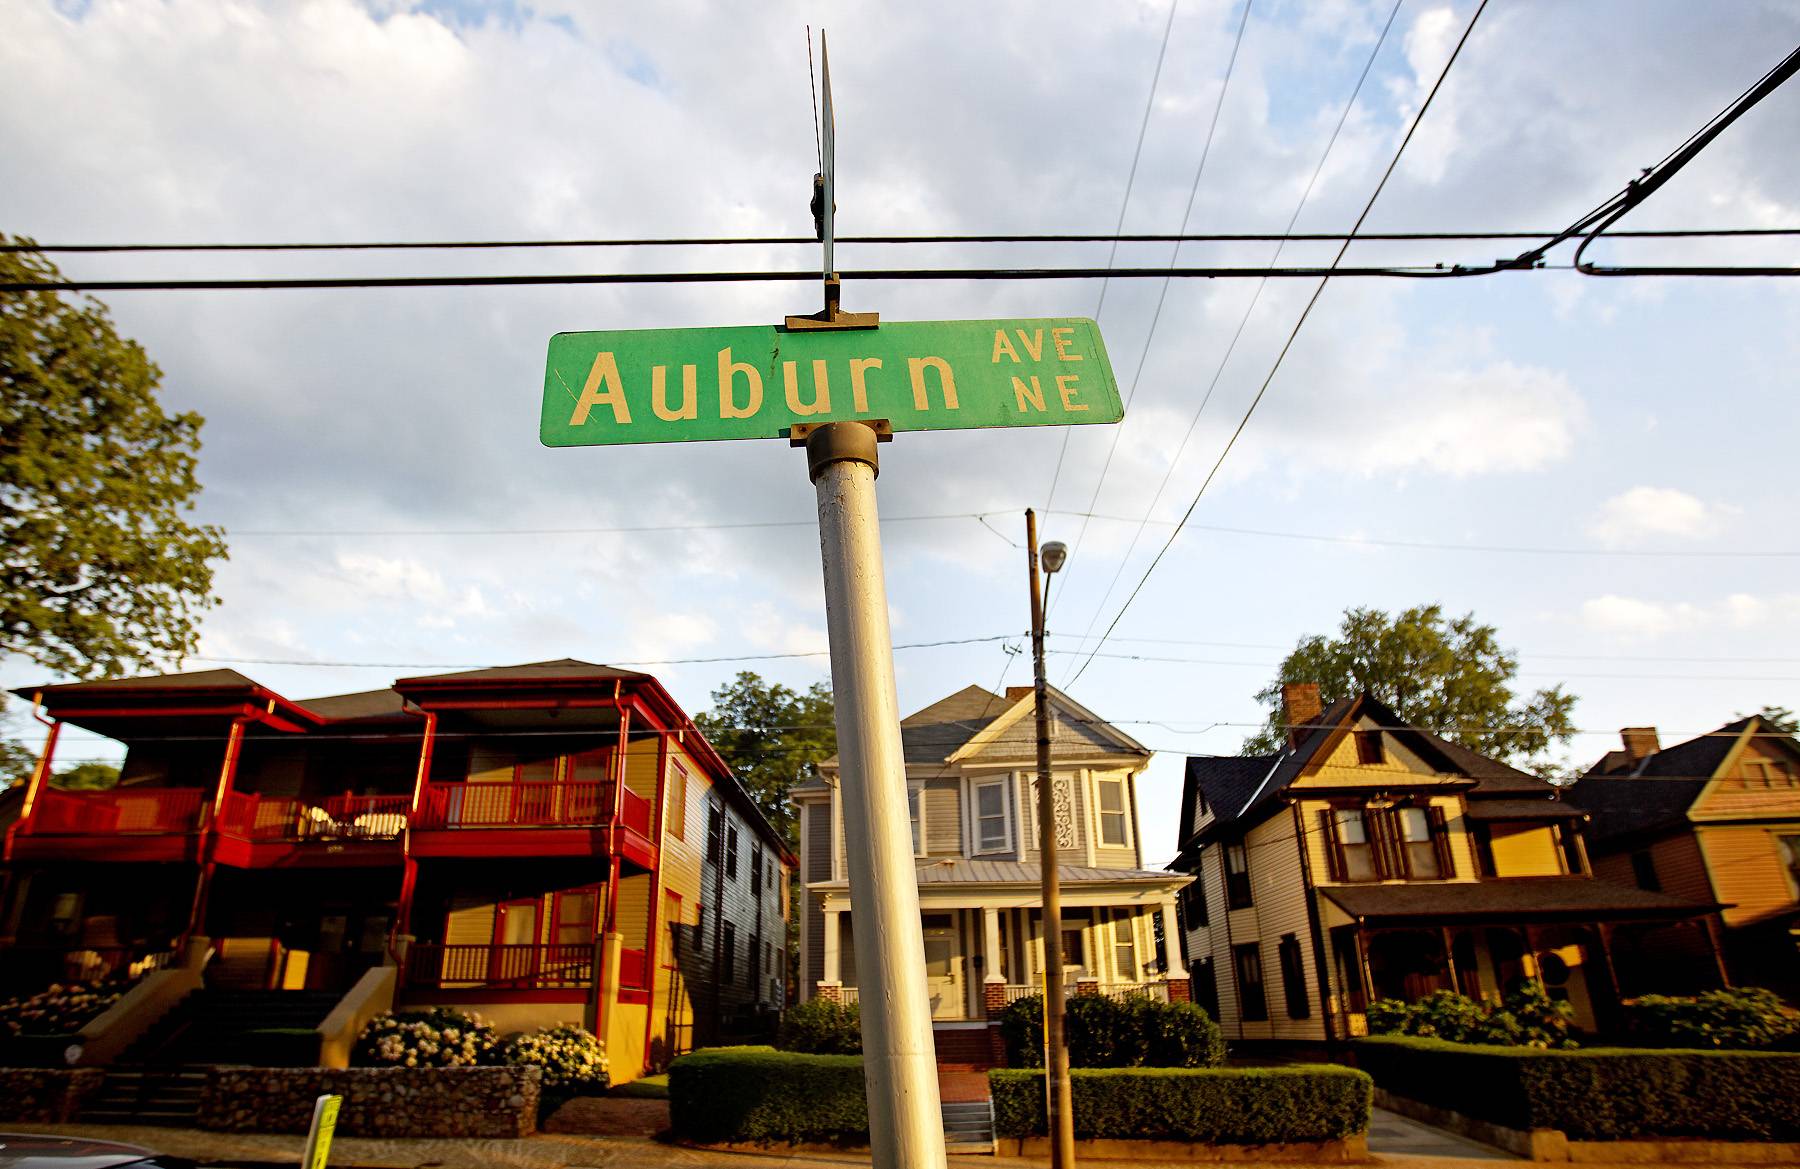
260 817
34 967
515 967
510 805
560 966
147 809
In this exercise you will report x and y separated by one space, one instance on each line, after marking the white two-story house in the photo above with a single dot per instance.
971 774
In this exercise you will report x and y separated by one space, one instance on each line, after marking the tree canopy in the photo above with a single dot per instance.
1448 675
101 574
1778 718
774 737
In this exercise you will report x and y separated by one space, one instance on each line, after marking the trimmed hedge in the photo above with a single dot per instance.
1108 1033
1218 1106
760 1095
1597 1094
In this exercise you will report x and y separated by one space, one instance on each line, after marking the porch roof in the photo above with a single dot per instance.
1524 900
1522 809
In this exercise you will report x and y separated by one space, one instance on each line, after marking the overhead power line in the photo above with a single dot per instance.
812 241
1289 343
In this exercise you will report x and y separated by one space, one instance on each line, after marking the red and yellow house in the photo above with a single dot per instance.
529 842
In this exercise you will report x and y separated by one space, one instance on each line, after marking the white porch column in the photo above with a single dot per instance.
1172 940
832 917
990 945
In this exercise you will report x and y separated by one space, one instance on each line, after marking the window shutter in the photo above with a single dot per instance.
1334 845
1440 840
1382 828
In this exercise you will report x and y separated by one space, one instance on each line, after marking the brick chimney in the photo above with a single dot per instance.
1299 703
1640 742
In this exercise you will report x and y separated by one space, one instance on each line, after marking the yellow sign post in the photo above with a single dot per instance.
318 1137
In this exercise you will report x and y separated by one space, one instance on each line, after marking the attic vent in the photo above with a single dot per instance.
1369 748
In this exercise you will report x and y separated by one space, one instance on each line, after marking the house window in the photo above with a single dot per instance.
1790 856
1074 950
675 801
1113 813
1369 748
1124 946
1351 856
1420 843
731 851
1237 876
755 972
1643 871
672 917
728 955
1193 899
1568 837
916 814
715 832
992 829
575 917
1252 1003
756 871
1293 977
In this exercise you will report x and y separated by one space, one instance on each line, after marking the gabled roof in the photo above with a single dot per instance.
559 670
937 733
1237 787
1655 793
148 684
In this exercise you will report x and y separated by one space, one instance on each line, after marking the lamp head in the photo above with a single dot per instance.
1053 555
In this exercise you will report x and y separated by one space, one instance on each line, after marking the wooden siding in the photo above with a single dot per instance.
640 767
1680 867
1341 769
1741 790
941 804
1747 869
1525 850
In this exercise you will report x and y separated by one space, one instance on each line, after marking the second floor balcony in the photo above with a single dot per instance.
257 830
533 819
486 969
125 824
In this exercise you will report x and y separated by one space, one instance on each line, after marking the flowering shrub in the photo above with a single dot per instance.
1742 1019
1528 1017
437 1038
574 1061
59 1010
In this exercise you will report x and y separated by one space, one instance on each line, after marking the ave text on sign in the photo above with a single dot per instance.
757 381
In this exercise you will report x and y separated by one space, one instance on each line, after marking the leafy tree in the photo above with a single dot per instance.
100 574
1447 675
774 737
1778 718
87 777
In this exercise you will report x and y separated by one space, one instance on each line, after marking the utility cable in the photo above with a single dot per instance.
985 238
1243 323
1289 343
1112 252
1162 297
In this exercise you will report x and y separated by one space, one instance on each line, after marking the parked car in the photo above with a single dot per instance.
42 1151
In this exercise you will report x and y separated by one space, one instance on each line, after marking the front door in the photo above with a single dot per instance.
943 966
515 943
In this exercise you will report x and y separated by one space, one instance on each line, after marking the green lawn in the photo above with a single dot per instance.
646 1088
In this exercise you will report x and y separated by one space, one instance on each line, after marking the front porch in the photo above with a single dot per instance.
985 946
1574 936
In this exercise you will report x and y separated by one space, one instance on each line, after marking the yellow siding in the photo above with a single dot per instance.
1747 870
471 921
680 872
487 765
1525 850
633 916
1340 768
1746 789
640 767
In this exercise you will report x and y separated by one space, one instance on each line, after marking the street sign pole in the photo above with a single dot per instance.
906 1124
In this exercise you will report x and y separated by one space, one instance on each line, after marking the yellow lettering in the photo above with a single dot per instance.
1034 344
659 394
1060 339
859 393
821 401
604 374
1065 386
728 371
1034 393
1002 345
917 366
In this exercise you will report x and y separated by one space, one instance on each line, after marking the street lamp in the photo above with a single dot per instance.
1057 1109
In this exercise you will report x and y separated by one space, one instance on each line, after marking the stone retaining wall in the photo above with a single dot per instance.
491 1102
45 1095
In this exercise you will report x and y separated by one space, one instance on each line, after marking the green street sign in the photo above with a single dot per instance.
756 381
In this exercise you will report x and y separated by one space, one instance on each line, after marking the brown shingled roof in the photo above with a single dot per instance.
1534 899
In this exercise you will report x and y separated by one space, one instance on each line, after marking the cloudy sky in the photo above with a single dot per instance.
1583 422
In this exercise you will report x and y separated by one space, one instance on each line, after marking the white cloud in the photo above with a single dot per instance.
1638 618
1650 512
